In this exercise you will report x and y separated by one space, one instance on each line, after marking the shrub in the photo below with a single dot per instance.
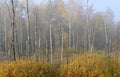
26 68
85 65
91 65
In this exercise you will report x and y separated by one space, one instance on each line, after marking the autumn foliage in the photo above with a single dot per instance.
26 68
84 65
92 65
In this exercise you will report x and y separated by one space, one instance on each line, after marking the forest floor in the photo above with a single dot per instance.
88 64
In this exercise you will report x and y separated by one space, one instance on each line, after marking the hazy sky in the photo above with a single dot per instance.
102 5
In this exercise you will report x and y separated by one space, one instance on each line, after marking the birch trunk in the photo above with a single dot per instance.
13 30
89 31
5 29
106 36
70 14
21 32
0 38
77 38
39 40
28 31
21 47
51 48
92 43
46 51
36 44
1 30
62 44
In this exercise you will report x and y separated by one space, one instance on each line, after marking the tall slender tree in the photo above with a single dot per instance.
51 45
28 29
62 44
88 26
5 32
13 30
70 17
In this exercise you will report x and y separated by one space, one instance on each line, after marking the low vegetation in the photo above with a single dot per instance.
88 64
92 65
26 68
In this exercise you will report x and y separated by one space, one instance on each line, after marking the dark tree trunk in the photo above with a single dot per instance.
13 30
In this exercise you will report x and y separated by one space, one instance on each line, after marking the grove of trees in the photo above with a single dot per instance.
55 29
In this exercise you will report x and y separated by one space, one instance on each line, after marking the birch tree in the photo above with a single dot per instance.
0 28
5 32
88 26
51 46
36 33
70 15
13 30
28 30
46 51
60 16
62 44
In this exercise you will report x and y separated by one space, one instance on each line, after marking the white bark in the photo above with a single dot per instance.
92 43
21 48
51 48
70 14
36 44
106 35
62 45
35 20
5 29
28 30
0 31
21 32
46 51
88 26
13 30
39 41
73 37
77 38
